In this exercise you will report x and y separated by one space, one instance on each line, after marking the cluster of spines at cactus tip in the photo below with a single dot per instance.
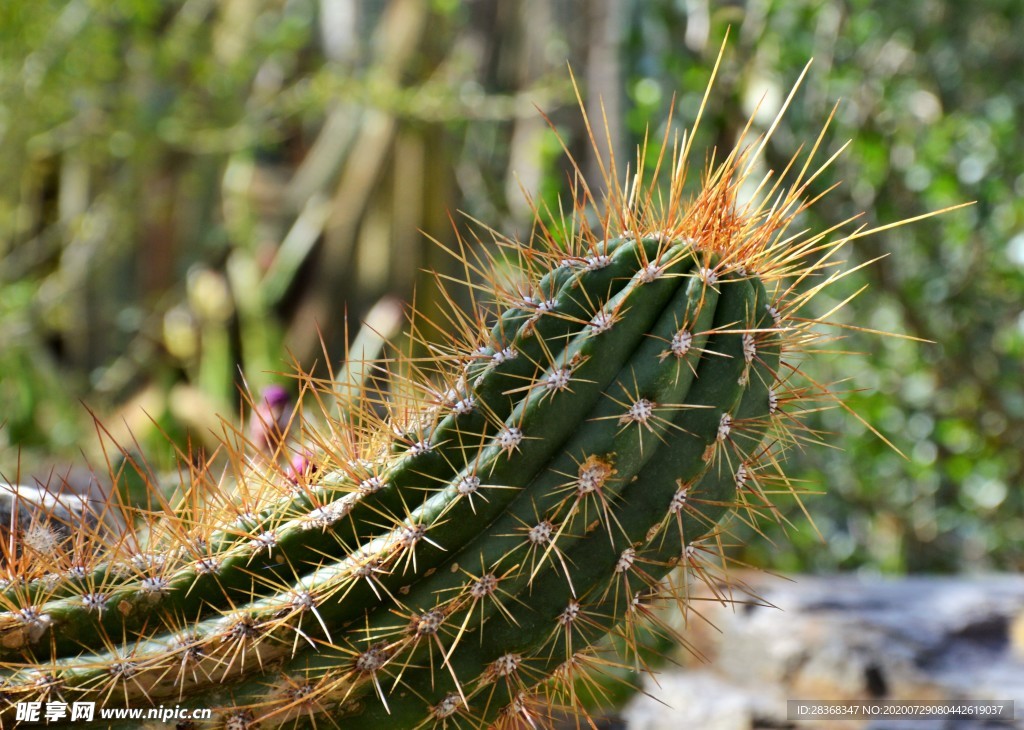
457 544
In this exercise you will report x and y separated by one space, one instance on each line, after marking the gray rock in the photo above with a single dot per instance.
845 638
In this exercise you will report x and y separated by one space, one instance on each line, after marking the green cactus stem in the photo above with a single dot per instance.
462 538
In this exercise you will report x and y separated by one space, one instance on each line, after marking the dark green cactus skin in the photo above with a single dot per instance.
453 557
616 416
189 590
535 635
613 412
475 524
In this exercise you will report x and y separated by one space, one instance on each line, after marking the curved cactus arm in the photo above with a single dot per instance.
576 493
546 316
583 370
552 620
323 675
463 537
685 538
384 643
308 529
537 610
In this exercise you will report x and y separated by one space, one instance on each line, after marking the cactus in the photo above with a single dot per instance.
451 549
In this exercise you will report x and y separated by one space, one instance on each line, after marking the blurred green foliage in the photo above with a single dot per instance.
190 189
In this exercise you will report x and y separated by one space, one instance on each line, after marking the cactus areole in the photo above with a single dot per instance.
454 547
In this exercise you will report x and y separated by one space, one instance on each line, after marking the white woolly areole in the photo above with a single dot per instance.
625 561
682 341
749 347
602 322
145 562
540 534
502 355
724 427
640 412
570 614
239 720
468 484
447 707
207 565
303 600
35 620
464 406
242 627
505 665
301 692
484 586
155 586
510 438
371 660
650 272
245 519
188 646
429 622
322 517
123 670
264 541
559 379
412 535
371 485
365 465
368 568
708 276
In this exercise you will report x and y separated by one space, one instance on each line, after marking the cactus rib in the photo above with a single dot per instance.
471 528
350 504
555 605
541 416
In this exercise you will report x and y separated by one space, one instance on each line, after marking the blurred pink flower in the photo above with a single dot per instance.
268 424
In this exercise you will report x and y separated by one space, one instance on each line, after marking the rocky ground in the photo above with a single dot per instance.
843 638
